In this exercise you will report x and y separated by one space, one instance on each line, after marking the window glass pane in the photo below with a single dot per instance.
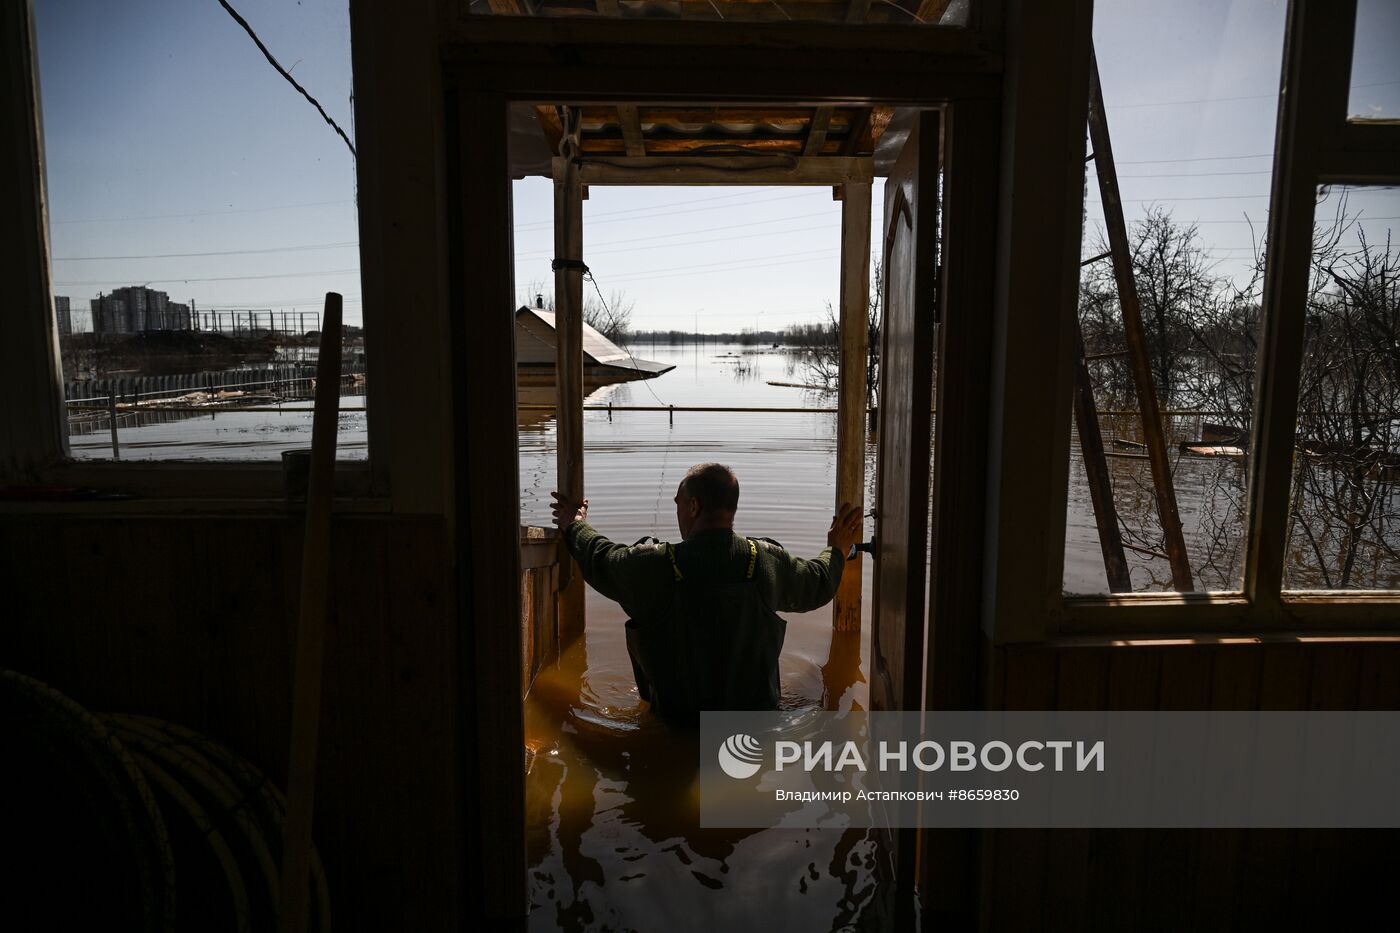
899 12
1345 529
1190 97
199 210
1375 64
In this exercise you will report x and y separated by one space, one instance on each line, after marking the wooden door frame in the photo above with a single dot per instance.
492 64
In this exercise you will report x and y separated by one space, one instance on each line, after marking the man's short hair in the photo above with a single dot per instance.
715 487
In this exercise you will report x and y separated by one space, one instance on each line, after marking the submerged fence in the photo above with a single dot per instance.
97 405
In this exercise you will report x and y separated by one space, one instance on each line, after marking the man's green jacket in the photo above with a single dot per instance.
703 628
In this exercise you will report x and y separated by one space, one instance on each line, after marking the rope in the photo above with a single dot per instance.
581 266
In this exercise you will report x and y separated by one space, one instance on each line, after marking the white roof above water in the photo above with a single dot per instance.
596 347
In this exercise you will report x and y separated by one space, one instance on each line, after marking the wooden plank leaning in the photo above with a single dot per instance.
311 629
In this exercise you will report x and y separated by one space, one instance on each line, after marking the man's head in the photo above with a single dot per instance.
707 498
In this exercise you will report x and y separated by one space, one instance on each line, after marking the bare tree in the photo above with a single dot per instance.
1346 517
821 343
1177 290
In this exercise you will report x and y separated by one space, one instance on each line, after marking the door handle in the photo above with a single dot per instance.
868 547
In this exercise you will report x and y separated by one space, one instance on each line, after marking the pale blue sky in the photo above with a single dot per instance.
167 133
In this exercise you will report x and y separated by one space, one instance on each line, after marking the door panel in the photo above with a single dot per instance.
906 398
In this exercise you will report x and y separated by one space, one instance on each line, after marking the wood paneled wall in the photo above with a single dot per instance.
193 620
1173 880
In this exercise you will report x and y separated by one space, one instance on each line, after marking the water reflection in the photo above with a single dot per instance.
613 805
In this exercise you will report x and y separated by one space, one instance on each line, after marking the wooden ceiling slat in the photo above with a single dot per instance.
783 116
816 131
631 125
672 146
879 120
859 132
931 11
550 123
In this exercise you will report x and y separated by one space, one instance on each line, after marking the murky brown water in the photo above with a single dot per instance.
613 812
613 807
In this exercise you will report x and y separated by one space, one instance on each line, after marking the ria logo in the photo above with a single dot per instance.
740 756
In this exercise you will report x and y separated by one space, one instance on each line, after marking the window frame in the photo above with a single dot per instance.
35 449
1315 144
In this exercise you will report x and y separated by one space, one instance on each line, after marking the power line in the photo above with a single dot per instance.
1260 155
288 75
1209 197
309 300
665 236
748 192
538 256
244 210
1196 174
220 278
229 252
682 271
1222 100
654 212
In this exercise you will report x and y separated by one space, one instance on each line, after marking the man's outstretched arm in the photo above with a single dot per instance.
624 574
805 585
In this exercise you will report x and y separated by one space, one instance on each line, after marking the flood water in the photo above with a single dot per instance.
614 833
613 809
226 434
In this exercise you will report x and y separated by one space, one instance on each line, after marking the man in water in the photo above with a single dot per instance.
703 630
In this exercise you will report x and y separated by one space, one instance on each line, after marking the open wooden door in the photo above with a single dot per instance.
906 399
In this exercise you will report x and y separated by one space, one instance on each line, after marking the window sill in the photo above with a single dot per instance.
164 487
1147 617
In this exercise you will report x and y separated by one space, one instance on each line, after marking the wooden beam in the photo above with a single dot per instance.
954 658
857 11
931 11
816 131
725 170
1086 420
553 128
34 431
309 662
860 128
629 119
852 401
1135 335
1316 70
616 146
398 117
1030 383
575 61
485 515
938 49
568 331
779 115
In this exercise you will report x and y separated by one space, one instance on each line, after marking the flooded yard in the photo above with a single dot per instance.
613 808
612 805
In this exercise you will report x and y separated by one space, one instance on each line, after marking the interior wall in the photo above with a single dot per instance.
193 619
1169 880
